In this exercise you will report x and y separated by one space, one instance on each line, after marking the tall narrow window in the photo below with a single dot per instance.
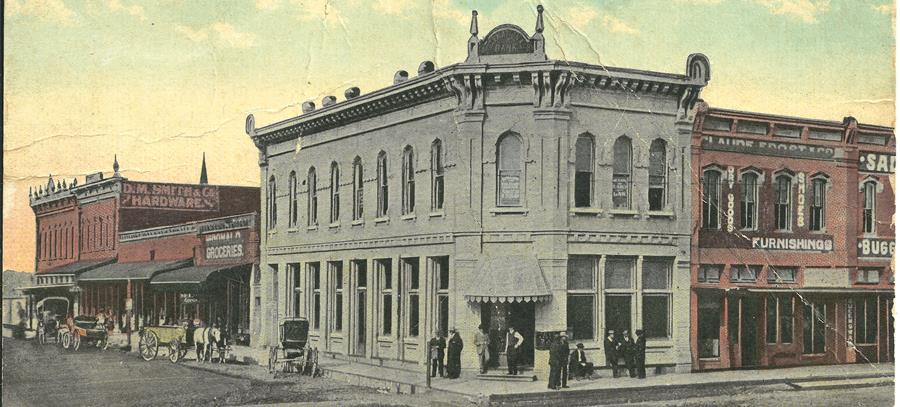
711 184
619 288
581 296
411 277
292 199
382 207
387 294
509 170
337 284
312 217
335 193
314 310
622 166
294 295
814 321
584 171
817 206
273 208
869 207
409 181
749 198
441 271
437 176
357 189
656 282
866 315
783 202
656 192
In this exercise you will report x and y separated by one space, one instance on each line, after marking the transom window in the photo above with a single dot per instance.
868 276
709 273
782 274
744 273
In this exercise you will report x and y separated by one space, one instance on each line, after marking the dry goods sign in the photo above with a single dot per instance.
224 245
180 197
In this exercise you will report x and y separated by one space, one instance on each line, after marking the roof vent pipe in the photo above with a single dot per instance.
308 106
400 77
328 101
351 93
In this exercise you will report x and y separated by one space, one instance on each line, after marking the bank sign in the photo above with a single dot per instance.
875 248
147 195
769 148
877 162
228 245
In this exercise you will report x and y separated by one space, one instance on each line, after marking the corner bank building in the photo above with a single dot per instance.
507 190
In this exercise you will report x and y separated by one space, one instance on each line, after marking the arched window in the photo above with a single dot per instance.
869 189
382 207
292 199
783 212
656 192
335 193
409 181
622 165
312 206
272 209
437 176
584 171
357 189
749 200
817 205
509 170
711 193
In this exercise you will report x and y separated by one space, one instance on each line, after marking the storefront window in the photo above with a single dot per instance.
384 272
618 312
441 268
814 328
779 319
411 268
866 320
656 281
337 280
581 296
709 318
316 293
295 294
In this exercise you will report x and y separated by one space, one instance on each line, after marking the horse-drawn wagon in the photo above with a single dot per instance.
51 327
173 338
87 329
293 352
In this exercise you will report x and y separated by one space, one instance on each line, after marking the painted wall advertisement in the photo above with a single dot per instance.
877 162
227 245
796 244
770 148
183 197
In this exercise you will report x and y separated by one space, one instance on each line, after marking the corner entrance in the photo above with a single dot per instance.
498 317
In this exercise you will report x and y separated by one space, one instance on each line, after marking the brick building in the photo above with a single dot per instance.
791 259
506 190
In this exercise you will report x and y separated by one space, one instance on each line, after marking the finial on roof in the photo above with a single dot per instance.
64 185
473 28
50 183
40 190
539 26
203 179
115 164
74 182
29 191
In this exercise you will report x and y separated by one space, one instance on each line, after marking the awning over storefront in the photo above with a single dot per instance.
132 271
509 279
77 267
189 277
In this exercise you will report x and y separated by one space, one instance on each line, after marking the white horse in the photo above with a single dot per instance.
204 338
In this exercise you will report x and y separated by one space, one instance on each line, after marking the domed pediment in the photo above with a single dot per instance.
507 43
506 39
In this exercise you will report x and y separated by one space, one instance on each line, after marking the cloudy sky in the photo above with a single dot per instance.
159 83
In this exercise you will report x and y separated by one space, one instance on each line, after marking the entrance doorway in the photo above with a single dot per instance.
498 317
743 321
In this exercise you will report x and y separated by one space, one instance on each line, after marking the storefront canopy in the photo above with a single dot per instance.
189 276
509 279
132 271
75 268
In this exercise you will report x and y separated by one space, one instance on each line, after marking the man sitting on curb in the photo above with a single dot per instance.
579 365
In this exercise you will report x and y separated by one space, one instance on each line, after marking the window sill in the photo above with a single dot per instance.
313 227
661 214
508 211
337 335
272 232
408 216
586 211
383 219
410 340
334 225
292 230
385 339
436 214
623 213
358 222
660 343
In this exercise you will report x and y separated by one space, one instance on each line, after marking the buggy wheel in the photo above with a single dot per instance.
273 358
148 346
76 341
174 350
66 340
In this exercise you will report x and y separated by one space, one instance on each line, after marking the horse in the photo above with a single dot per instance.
203 341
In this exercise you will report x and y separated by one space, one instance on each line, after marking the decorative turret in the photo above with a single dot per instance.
203 179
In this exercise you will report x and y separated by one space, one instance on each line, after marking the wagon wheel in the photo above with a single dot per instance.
273 358
66 340
149 346
174 350
76 340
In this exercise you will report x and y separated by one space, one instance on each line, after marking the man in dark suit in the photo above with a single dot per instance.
553 383
626 349
436 346
611 349
562 354
578 364
640 354
454 353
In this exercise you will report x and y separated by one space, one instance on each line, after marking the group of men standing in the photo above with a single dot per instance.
565 364
632 351
454 346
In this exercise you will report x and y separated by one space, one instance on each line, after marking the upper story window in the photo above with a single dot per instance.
292 199
869 189
509 170
584 171
335 192
622 166
409 181
313 205
749 200
710 203
273 208
656 192
745 273
783 202
817 205
382 195
357 189
437 176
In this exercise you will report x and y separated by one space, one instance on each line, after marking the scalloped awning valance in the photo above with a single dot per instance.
509 279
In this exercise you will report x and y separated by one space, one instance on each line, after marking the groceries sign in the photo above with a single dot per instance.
181 197
224 245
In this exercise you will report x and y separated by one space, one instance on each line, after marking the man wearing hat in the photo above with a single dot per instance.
610 349
559 353
626 349
578 363
454 352
640 354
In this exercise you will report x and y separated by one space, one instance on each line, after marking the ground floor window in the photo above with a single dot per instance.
779 319
441 271
814 321
337 291
294 294
618 312
581 294
866 318
315 294
709 318
411 276
383 267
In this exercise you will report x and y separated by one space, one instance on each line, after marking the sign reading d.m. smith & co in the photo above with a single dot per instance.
797 244
770 148
183 197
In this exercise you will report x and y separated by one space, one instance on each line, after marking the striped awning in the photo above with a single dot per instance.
509 279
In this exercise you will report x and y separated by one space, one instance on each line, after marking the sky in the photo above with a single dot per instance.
157 84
